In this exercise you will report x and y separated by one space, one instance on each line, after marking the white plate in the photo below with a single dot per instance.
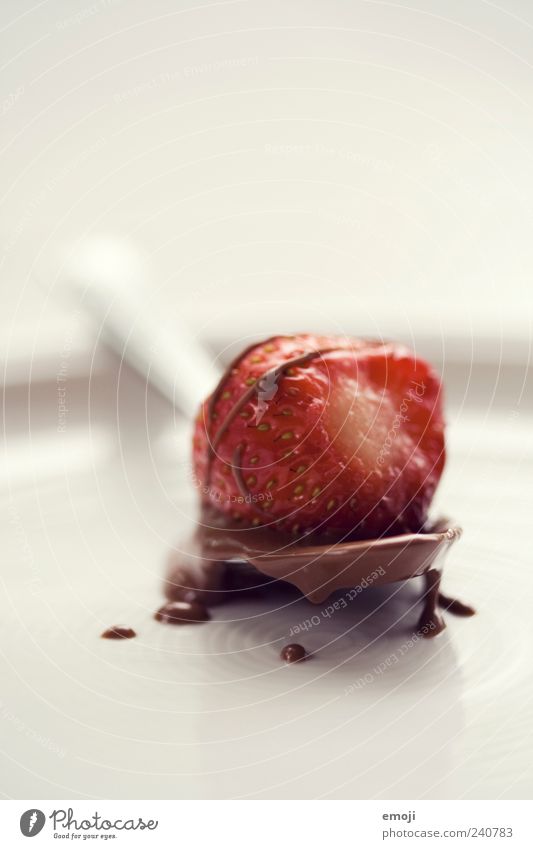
209 710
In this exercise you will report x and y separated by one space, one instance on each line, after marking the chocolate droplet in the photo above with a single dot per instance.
182 612
119 632
293 653
458 608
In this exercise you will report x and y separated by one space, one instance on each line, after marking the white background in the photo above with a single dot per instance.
368 159
360 167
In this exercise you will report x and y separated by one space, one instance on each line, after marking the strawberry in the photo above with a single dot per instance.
316 433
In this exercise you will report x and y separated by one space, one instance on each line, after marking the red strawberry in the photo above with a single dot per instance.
323 433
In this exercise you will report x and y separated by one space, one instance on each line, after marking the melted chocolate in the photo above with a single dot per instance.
119 632
293 653
182 612
453 605
431 622
223 559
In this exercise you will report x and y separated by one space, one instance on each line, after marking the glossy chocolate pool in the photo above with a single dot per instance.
221 560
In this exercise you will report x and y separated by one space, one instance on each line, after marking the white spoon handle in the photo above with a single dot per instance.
112 280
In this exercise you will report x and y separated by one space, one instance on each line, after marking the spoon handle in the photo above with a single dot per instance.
112 280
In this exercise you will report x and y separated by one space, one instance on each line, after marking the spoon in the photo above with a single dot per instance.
215 563
114 282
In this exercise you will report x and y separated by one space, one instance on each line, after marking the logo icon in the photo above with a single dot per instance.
32 822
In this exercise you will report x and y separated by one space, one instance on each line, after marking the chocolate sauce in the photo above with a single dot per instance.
183 613
316 565
223 560
293 653
119 632
453 605
431 622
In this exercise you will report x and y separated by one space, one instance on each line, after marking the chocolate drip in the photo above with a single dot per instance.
118 632
313 565
182 613
431 622
453 605
293 653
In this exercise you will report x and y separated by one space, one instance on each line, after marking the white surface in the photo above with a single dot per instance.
370 160
209 710
359 167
